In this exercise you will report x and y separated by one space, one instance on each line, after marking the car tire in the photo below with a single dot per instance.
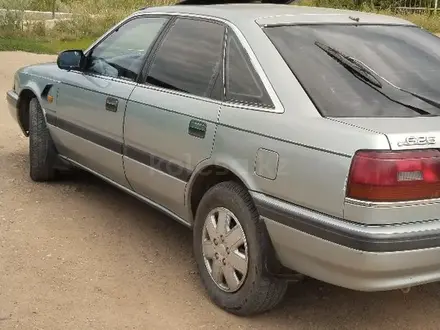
259 291
42 152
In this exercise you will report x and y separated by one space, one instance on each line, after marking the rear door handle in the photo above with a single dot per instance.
111 104
197 128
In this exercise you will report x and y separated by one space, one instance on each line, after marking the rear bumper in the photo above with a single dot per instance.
352 255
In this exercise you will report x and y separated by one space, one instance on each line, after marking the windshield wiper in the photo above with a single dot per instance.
350 63
364 72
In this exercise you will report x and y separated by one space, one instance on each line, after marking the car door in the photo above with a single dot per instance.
171 119
90 105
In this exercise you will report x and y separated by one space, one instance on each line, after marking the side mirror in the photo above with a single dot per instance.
71 60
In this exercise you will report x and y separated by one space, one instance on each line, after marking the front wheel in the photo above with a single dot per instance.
42 152
232 247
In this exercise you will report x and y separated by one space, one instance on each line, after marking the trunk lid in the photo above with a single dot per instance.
402 133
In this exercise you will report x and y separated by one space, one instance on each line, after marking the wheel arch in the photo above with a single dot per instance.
209 173
26 94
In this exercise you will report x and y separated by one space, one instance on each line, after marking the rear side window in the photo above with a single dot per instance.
190 57
243 85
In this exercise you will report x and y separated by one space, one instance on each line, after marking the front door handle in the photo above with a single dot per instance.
111 104
197 128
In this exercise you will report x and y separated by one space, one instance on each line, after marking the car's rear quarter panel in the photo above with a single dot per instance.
314 154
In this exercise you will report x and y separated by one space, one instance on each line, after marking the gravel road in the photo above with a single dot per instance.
79 254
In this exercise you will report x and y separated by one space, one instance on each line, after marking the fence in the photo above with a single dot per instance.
429 6
36 15
48 7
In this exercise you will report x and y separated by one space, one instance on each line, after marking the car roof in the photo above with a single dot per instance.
273 14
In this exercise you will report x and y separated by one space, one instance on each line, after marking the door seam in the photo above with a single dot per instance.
123 137
215 130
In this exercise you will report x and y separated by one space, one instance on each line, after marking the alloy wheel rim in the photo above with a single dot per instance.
225 250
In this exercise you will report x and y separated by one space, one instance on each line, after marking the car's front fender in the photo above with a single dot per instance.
30 86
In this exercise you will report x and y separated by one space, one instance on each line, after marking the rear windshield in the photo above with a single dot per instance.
407 56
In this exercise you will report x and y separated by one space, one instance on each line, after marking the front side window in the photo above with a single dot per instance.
122 53
189 59
243 85
406 56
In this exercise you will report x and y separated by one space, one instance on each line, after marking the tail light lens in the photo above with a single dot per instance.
383 176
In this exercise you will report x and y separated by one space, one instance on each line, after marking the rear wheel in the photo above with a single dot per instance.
232 247
42 152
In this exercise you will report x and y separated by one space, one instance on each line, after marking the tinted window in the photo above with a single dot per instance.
243 84
190 57
406 56
121 54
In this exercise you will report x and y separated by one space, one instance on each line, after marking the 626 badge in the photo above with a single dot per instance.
416 141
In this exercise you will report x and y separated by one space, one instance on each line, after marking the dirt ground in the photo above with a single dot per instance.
79 254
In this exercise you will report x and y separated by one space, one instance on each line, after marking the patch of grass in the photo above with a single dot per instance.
423 19
26 45
41 46
430 23
58 46
91 18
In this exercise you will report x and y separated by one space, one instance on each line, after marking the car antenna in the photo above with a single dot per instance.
354 18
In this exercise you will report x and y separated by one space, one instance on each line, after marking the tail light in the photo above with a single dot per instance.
384 176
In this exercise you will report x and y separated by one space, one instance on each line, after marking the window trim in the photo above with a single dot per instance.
104 37
152 56
229 36
278 106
